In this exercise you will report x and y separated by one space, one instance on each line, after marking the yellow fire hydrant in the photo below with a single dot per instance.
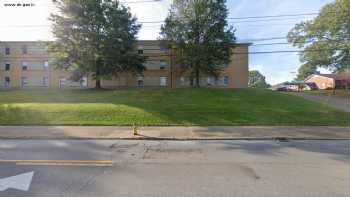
135 130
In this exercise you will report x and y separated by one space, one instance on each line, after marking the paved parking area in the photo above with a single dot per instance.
335 102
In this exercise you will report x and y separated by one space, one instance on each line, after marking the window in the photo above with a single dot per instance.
24 50
7 82
226 81
7 51
24 65
62 82
46 65
163 81
226 65
24 81
183 81
211 81
163 64
140 83
7 67
162 49
45 81
83 82
140 50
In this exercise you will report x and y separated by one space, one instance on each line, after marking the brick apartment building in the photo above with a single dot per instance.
27 65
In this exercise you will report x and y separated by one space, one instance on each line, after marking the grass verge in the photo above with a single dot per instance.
163 107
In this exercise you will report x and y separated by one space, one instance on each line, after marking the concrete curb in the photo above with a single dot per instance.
279 133
181 139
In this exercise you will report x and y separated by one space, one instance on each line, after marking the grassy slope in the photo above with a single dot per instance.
163 107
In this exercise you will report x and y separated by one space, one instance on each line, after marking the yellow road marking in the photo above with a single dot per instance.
63 164
97 163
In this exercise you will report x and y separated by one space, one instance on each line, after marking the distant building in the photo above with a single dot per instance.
293 86
330 81
27 65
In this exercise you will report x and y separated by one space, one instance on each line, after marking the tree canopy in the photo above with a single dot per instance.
257 80
95 37
199 31
326 39
306 70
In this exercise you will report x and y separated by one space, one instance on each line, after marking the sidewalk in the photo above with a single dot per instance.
174 133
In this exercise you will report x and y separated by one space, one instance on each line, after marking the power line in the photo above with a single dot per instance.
126 2
230 18
293 51
141 1
263 39
274 16
269 44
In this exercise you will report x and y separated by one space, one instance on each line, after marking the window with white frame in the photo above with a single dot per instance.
7 82
226 65
24 81
24 50
24 65
163 81
163 64
140 81
211 81
45 81
62 82
7 51
83 82
7 66
162 49
46 65
140 50
226 81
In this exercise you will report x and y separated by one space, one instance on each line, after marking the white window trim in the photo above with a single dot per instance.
163 84
228 81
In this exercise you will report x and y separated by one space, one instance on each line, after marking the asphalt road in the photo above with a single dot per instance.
175 168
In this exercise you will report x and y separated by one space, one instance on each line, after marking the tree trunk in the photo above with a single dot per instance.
191 81
98 84
98 79
197 78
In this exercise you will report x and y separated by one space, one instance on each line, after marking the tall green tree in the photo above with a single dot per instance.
257 80
326 39
95 37
199 31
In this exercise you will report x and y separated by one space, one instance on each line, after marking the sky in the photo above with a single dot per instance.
31 23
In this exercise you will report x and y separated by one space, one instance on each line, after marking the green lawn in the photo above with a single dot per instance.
338 93
163 107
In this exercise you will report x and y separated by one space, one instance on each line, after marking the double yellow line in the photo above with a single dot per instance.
93 163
